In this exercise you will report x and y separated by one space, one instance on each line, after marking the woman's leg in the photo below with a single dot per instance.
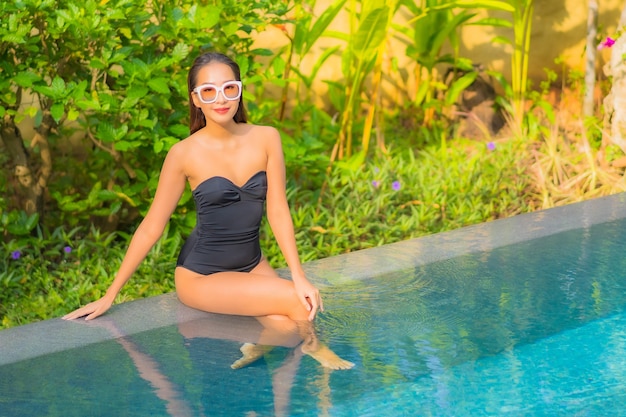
259 293
239 293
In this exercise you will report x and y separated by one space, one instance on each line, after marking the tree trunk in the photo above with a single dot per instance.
590 70
29 189
615 101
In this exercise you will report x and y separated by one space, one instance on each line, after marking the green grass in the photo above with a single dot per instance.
435 191
438 191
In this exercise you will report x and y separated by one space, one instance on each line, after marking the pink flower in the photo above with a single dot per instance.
608 42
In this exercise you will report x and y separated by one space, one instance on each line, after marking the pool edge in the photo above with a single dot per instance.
49 336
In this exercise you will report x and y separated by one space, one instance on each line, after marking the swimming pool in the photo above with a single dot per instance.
523 317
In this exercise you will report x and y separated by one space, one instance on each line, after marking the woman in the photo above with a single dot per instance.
234 169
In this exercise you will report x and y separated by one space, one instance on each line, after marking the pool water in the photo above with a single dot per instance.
536 328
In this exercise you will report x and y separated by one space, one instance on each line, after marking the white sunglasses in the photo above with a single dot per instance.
207 93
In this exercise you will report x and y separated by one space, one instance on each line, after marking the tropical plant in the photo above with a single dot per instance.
521 22
303 32
104 85
368 30
401 195
433 25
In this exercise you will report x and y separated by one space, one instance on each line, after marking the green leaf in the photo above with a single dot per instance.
26 78
321 24
121 132
450 29
502 39
149 123
126 32
180 52
371 33
179 130
492 21
97 63
485 4
19 33
58 86
123 145
116 206
129 102
72 115
136 92
105 132
31 221
262 52
459 86
208 16
230 28
38 118
244 65
56 111
159 85
158 146
84 104
320 61
92 198
278 65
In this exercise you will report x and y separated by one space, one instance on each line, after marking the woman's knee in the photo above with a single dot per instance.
298 310
281 323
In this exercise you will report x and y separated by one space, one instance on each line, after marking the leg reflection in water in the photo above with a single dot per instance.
188 366
192 378
149 370
259 336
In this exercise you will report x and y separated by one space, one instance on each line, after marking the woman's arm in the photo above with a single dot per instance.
169 190
280 221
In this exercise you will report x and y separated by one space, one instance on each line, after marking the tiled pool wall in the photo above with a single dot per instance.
55 335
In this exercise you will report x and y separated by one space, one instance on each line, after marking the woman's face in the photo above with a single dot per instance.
217 93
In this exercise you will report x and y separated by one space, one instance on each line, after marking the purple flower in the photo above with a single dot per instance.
67 249
608 42
491 146
16 254
375 184
376 170
395 185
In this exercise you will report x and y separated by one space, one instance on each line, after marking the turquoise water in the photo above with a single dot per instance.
536 328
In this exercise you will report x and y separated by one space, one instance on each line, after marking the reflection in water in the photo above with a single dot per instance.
259 341
425 322
149 370
533 328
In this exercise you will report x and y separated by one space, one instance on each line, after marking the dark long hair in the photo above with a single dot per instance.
196 117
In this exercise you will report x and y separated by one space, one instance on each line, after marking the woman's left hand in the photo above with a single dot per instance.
310 297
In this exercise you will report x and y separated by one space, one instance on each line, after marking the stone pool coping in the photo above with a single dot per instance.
54 335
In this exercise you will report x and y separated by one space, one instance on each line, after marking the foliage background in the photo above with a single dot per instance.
104 85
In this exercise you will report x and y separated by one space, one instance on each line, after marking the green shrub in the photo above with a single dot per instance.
361 208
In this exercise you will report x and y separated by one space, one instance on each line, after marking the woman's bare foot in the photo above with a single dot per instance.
326 357
251 353
312 346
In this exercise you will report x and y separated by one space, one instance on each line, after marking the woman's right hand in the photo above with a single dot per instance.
91 310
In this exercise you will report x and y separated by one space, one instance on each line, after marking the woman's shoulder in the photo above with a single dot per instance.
181 151
184 144
263 130
261 133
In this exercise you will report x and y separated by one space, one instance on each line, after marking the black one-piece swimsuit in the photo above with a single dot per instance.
226 236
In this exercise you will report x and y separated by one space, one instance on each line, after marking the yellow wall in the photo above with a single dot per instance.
559 30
